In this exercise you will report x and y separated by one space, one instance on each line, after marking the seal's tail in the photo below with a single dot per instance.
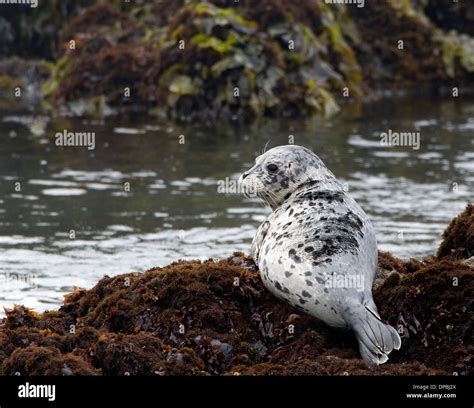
376 339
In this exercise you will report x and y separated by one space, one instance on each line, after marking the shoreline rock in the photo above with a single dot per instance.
184 60
216 318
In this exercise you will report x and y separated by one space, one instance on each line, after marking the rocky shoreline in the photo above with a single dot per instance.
216 318
218 59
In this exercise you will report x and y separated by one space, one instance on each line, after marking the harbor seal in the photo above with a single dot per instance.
317 250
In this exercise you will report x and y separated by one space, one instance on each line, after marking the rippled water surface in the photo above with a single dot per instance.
173 209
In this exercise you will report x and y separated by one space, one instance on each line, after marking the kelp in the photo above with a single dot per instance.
215 317
189 59
205 60
408 49
458 238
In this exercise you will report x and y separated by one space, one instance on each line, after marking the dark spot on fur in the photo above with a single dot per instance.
293 256
325 195
336 234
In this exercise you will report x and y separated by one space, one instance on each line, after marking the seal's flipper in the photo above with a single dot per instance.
376 339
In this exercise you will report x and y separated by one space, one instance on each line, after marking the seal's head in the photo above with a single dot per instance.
282 170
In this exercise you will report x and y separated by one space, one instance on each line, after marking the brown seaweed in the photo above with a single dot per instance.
216 318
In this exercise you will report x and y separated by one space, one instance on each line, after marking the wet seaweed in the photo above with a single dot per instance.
458 238
210 59
216 318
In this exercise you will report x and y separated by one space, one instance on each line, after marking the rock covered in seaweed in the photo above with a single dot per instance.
432 308
213 58
200 58
216 318
458 238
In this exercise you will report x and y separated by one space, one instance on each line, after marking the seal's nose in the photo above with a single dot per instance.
244 175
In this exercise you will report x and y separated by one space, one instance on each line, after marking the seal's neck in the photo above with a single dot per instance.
329 184
308 185
319 179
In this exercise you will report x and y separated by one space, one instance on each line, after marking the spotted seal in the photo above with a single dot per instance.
317 249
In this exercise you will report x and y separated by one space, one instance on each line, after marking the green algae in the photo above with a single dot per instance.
457 50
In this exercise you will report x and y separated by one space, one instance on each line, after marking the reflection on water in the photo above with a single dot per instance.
173 209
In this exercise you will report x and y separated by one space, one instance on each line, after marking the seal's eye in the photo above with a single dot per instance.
272 168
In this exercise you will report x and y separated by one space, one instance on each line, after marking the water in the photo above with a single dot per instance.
173 209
